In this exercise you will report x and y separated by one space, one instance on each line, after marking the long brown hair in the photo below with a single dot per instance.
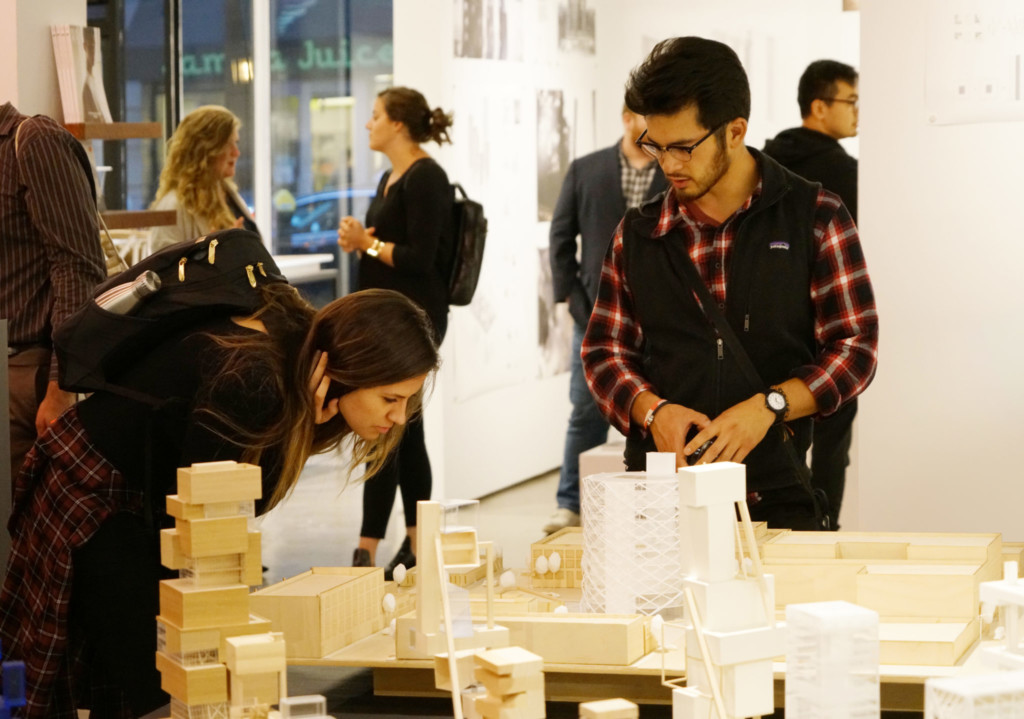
190 167
372 338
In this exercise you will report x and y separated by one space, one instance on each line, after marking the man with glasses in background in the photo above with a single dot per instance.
778 256
828 100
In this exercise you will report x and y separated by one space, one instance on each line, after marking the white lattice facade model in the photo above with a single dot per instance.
831 661
984 696
630 543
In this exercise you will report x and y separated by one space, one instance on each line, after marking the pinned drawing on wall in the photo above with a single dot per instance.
974 68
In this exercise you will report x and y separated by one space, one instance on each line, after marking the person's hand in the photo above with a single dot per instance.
671 425
52 406
238 224
352 236
736 432
319 382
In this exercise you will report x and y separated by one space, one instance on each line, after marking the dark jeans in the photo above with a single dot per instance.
408 467
114 603
587 428
830 456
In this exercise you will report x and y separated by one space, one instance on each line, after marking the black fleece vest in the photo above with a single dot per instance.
768 305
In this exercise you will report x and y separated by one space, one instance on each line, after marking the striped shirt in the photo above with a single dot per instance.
845 321
50 256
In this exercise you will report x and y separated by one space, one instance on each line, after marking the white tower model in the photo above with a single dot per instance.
831 661
732 637
630 551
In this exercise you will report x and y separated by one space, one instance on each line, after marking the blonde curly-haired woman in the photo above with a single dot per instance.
196 179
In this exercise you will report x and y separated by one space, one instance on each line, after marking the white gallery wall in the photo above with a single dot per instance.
29 80
940 429
499 410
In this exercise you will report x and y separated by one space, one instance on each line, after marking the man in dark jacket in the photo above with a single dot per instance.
777 256
828 99
597 191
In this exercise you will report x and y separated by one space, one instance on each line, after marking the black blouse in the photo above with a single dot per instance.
416 216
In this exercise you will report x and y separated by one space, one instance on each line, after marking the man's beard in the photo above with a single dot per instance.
699 186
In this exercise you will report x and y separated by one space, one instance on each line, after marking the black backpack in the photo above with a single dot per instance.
218 273
469 228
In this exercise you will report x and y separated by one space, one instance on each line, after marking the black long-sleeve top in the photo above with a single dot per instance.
416 216
183 369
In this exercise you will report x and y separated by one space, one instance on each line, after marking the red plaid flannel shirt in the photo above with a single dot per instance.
845 323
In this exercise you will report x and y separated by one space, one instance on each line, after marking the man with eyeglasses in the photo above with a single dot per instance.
828 100
597 191
778 256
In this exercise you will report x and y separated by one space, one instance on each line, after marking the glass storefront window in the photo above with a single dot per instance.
329 58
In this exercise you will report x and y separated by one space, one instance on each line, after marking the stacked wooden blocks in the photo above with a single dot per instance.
207 607
514 679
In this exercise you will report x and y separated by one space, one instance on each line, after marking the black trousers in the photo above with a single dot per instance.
784 508
114 603
830 456
407 468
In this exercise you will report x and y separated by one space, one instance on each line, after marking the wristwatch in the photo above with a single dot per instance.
374 249
775 400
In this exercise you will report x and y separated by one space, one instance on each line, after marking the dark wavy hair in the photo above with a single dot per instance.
408 106
819 82
372 338
690 71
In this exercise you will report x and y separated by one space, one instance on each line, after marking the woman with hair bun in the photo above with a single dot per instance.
197 178
406 246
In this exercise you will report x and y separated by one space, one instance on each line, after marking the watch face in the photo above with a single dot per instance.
776 401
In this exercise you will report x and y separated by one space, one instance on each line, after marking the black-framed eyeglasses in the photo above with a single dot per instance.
679 153
855 102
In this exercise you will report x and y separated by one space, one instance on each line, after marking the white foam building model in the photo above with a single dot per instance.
981 696
831 661
731 633
1008 595
630 542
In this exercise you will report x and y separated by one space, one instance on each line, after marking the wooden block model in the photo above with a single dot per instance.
257 688
515 684
512 602
192 607
206 684
609 709
211 482
599 639
462 577
324 609
179 509
464 662
460 548
510 661
200 646
213 537
568 544
926 643
255 654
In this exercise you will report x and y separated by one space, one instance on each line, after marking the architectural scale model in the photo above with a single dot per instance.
1008 595
731 636
831 661
983 696
630 543
215 659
